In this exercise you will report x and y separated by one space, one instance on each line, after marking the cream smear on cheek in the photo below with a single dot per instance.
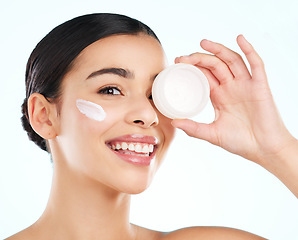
91 110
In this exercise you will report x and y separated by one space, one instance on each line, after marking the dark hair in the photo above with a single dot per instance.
53 56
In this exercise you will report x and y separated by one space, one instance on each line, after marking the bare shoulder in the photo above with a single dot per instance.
220 233
17 236
23 235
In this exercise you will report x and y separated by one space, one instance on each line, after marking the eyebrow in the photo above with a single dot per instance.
116 71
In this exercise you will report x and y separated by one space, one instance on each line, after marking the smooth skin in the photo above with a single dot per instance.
91 188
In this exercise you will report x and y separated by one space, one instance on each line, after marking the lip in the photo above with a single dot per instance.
138 160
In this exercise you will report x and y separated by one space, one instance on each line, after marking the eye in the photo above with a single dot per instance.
110 91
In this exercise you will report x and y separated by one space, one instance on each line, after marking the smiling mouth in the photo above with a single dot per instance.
135 149
130 148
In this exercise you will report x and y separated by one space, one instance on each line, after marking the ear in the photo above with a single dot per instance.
41 115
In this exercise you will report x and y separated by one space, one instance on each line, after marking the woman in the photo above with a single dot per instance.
88 103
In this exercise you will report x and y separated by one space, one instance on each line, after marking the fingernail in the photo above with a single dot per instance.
182 58
185 56
206 40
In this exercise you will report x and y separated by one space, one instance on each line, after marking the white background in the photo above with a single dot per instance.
198 184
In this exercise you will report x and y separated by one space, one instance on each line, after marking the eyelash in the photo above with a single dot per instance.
108 91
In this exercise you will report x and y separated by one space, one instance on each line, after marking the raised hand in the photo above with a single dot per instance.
247 121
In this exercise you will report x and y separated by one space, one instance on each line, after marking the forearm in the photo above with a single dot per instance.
284 165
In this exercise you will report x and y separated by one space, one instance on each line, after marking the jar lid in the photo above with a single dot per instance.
180 91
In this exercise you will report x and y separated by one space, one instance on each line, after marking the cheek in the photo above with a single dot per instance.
167 128
91 110
82 120
95 118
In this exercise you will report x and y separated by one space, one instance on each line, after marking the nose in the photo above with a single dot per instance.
142 113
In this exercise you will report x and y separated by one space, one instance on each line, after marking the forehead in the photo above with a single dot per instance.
126 51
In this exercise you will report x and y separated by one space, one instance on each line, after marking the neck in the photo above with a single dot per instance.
80 208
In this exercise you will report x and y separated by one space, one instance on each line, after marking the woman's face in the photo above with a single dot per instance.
123 150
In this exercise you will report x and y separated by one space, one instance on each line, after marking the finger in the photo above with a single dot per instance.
212 80
232 59
218 68
253 58
198 130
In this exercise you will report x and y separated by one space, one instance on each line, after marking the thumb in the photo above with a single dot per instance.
191 128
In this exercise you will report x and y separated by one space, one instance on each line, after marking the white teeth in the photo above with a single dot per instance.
134 147
124 145
145 149
131 147
151 147
138 148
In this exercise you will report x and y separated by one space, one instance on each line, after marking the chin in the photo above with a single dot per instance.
136 183
137 190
